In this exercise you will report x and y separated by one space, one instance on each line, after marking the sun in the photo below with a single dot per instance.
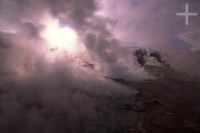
62 38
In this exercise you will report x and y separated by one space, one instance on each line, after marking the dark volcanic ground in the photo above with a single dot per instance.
169 104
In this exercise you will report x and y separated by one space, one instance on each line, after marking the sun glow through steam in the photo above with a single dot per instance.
62 38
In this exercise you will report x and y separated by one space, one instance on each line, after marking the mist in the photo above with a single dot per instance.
51 88
155 25
48 89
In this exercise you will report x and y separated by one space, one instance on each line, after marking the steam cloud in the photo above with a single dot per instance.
39 95
154 25
45 91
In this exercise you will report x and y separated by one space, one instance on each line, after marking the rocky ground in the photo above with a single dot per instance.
168 104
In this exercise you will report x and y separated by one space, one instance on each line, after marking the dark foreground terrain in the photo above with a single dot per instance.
171 103
168 104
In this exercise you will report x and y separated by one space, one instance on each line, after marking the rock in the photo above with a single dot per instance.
139 106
